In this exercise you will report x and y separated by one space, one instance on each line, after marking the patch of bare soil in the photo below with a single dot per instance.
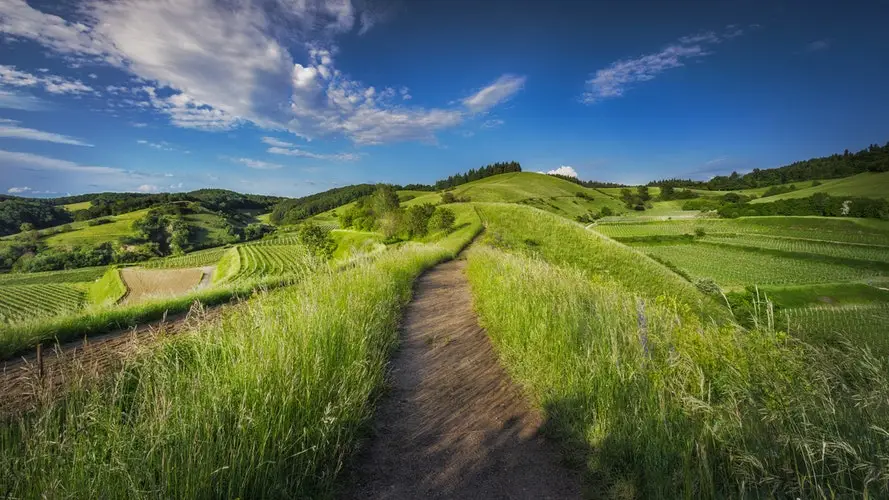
143 284
83 362
453 424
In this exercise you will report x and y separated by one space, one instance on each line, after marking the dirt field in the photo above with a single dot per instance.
144 284
453 424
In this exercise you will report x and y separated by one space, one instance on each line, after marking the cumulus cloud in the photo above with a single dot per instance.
12 77
563 170
18 190
213 65
148 188
620 76
11 129
497 92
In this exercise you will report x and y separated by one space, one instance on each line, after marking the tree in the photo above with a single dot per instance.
442 219
316 239
416 219
26 227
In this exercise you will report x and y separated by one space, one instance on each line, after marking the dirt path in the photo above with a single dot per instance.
81 361
453 425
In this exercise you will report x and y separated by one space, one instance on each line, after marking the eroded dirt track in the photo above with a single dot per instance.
453 424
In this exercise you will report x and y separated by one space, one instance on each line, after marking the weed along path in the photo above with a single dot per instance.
453 424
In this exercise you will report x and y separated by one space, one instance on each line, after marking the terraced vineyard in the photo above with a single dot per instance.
195 259
865 323
257 261
86 274
872 253
20 302
732 267
813 228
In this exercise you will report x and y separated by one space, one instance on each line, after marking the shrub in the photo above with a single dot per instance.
442 219
316 239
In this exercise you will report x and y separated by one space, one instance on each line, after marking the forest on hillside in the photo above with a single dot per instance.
873 159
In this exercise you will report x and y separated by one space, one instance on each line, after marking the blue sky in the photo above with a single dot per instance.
291 97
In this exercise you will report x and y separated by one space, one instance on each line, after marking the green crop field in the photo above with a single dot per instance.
816 228
831 249
862 323
732 267
27 302
82 275
200 258
256 261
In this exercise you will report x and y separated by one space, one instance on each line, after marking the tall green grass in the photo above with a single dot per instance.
558 240
267 401
658 403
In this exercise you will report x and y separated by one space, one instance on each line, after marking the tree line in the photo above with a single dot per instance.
874 158
382 211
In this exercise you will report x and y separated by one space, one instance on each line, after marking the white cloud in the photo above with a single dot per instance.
618 77
10 129
162 145
30 161
148 188
818 45
564 170
271 141
24 102
257 164
18 190
309 154
53 84
497 92
138 124
213 65
493 123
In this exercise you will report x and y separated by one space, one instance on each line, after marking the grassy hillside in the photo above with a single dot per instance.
73 207
866 185
82 233
537 190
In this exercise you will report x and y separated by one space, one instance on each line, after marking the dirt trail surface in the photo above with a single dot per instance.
453 424
82 361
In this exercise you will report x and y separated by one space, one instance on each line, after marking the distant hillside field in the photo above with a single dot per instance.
866 185
537 190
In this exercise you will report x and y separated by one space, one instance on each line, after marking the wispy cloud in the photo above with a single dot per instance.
818 45
18 190
271 141
36 162
493 123
11 129
24 102
257 164
620 76
10 76
317 156
497 92
161 146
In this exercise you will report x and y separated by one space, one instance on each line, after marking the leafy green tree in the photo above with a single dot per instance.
316 239
416 219
442 219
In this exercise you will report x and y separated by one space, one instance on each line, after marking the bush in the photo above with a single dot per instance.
99 222
442 219
416 219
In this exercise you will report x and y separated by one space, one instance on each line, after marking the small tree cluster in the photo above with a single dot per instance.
316 239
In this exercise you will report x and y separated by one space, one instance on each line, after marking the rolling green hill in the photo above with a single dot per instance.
866 185
537 190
